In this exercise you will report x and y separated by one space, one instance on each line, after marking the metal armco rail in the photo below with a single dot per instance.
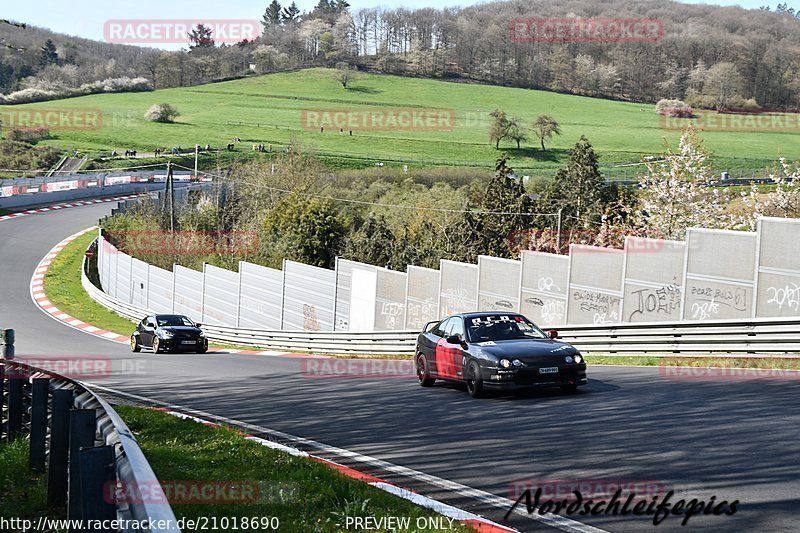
755 337
82 444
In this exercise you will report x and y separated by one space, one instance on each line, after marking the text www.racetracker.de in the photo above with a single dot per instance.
203 523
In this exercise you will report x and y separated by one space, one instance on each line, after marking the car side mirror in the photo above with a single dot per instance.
198 324
454 339
552 333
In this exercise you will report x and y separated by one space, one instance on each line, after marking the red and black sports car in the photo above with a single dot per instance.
495 350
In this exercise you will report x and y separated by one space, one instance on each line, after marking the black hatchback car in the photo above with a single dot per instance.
495 350
169 333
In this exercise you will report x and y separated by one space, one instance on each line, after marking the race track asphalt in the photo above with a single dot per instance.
730 438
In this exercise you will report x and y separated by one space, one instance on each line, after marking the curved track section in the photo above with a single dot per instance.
733 439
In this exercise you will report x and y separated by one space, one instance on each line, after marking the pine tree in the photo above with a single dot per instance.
503 211
290 13
272 16
48 55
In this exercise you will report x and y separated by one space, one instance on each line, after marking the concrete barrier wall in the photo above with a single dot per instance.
544 287
498 284
713 274
390 300
653 280
720 274
308 297
458 288
778 281
356 303
422 297
260 296
595 285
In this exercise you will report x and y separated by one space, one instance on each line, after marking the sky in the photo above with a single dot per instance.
87 18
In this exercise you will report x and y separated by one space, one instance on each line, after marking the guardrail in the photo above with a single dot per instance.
717 338
342 342
84 446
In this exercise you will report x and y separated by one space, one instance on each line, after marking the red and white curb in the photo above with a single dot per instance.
40 299
478 523
56 207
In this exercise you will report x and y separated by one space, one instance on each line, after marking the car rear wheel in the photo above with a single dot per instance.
423 373
474 381
135 347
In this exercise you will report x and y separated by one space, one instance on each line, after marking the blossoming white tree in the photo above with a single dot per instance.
783 201
675 194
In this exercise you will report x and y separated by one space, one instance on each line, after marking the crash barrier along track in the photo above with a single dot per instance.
84 446
779 337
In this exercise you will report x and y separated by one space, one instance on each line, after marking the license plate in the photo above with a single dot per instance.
549 370
188 342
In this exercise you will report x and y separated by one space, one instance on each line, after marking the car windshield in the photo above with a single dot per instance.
502 327
173 320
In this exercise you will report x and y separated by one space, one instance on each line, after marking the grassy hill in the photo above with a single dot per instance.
268 109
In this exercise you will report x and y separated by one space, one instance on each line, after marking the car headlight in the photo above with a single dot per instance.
516 362
578 358
165 334
568 359
202 333
505 363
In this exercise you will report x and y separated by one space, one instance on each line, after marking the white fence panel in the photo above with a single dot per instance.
422 297
188 292
160 290
778 284
543 288
653 280
498 284
124 277
139 283
595 284
308 297
346 297
720 274
458 289
261 296
390 300
220 296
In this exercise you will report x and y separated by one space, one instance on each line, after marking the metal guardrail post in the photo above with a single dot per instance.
82 429
98 481
38 447
7 338
59 448
2 395
15 395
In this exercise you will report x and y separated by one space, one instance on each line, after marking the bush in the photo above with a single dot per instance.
161 113
28 134
41 90
673 108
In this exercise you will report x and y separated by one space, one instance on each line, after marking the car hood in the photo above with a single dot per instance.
524 349
180 329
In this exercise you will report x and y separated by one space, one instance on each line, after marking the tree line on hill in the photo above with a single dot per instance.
707 52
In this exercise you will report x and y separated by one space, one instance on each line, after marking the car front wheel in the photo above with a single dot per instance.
423 373
156 345
474 381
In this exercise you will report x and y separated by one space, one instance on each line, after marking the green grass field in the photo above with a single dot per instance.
268 109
